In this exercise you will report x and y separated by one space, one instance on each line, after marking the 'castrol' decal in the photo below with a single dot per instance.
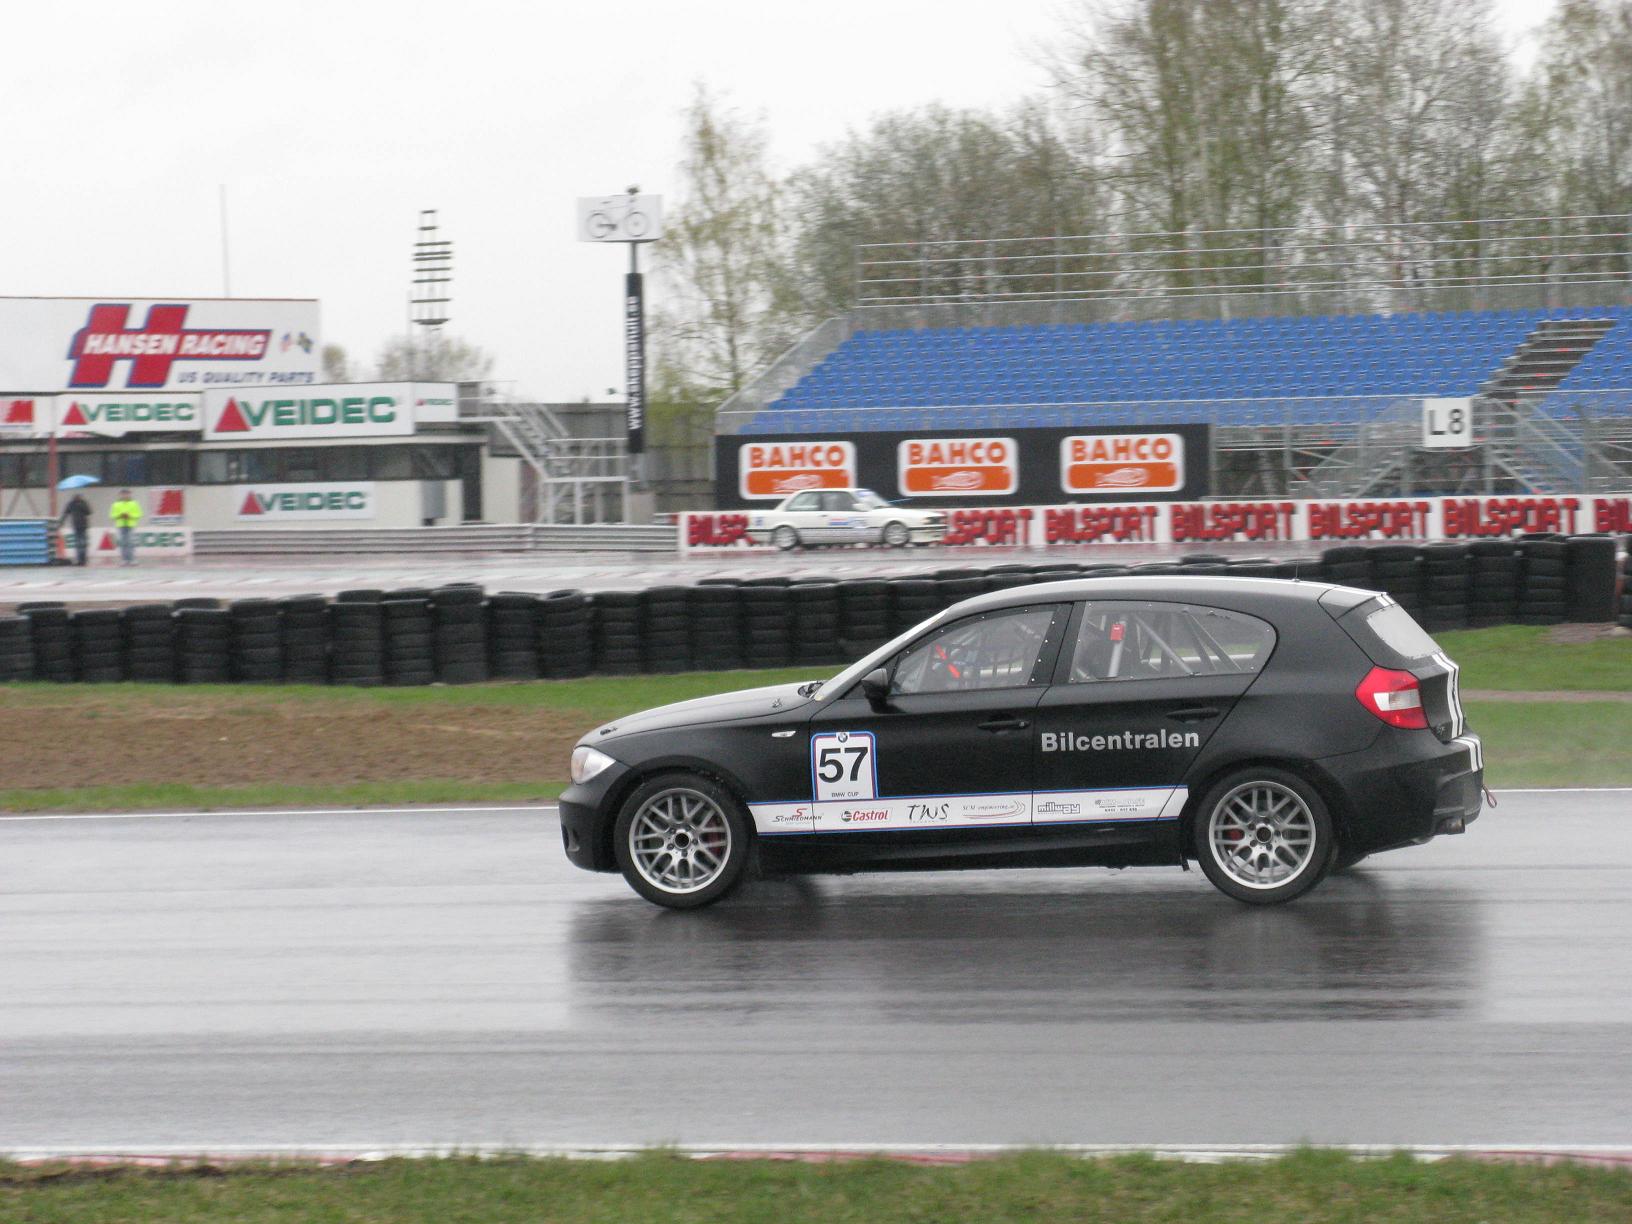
1116 463
772 470
957 467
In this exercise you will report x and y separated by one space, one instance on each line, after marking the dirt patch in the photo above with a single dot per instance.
257 739
1575 635
1564 695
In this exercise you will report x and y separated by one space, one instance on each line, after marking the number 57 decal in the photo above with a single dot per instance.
844 765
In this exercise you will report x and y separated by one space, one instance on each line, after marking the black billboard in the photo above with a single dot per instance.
980 467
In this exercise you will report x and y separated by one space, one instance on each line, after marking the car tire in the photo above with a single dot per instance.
1284 821
896 534
692 807
785 538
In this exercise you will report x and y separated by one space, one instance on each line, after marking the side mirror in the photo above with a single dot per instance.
875 686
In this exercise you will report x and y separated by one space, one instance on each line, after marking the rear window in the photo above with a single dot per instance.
1396 630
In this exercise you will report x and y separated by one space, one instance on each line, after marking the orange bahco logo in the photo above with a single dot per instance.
1122 463
957 467
772 470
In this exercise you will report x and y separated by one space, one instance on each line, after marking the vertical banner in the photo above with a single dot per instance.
634 361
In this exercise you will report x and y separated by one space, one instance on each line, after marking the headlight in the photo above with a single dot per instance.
588 763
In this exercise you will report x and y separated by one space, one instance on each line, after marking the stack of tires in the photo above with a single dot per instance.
257 641
1348 565
1625 618
459 633
911 601
16 649
410 654
304 621
864 616
1444 586
814 611
1397 570
1006 578
150 643
99 645
765 622
714 616
357 639
53 640
203 642
956 585
512 635
617 632
566 639
665 636
1541 598
1589 579
1493 583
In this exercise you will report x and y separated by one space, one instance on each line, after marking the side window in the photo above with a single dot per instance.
1135 640
996 651
804 501
838 501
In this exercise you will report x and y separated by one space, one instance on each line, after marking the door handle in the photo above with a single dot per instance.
1004 724
1193 713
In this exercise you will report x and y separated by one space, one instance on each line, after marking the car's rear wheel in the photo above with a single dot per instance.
1264 836
785 538
896 535
681 840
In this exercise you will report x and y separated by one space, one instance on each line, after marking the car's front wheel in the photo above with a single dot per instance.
785 538
681 840
1264 836
896 535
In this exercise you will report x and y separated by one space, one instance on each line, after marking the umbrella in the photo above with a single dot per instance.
77 482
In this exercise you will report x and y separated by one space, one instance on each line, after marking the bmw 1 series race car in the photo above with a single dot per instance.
843 516
1269 730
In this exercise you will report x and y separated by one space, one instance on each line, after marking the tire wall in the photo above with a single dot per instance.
462 634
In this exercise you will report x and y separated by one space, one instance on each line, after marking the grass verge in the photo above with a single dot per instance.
1554 743
1311 1186
182 797
1520 658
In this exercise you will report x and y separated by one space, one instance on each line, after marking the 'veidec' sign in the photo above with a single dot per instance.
772 470
957 467
1131 462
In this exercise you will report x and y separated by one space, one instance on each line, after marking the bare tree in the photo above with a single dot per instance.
336 365
722 263
431 356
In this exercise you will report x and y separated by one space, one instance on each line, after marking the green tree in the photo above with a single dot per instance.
722 267
336 365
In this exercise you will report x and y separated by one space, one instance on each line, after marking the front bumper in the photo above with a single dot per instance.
1407 788
587 811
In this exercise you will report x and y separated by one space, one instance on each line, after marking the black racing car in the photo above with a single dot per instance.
1270 730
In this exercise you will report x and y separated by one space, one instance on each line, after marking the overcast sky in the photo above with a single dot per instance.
332 123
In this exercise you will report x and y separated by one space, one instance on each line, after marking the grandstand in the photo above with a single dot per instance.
1325 402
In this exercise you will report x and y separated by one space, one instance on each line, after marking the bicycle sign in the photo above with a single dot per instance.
620 218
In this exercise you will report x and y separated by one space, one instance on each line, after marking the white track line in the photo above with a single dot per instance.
356 811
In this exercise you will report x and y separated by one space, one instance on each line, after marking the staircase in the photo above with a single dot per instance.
1523 448
572 473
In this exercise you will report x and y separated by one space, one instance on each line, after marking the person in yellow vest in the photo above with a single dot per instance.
127 515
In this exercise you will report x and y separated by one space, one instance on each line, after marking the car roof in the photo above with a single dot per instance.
1218 590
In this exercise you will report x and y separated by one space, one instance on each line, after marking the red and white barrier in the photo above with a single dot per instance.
1230 522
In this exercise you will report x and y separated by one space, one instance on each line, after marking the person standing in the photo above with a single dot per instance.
127 514
79 510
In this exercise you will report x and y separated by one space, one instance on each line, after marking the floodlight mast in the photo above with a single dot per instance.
431 297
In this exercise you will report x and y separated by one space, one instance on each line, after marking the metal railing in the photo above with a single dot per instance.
469 539
1467 264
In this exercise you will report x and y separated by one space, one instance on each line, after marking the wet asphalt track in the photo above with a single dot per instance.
359 980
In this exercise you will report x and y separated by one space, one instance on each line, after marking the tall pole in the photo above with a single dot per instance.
634 361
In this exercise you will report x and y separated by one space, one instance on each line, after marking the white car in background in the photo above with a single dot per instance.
843 516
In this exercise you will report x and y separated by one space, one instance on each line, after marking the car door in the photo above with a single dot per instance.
951 749
1140 689
803 512
842 520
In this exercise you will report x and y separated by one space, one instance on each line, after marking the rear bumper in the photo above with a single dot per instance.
1407 788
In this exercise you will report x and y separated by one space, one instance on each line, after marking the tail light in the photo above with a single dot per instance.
1394 697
